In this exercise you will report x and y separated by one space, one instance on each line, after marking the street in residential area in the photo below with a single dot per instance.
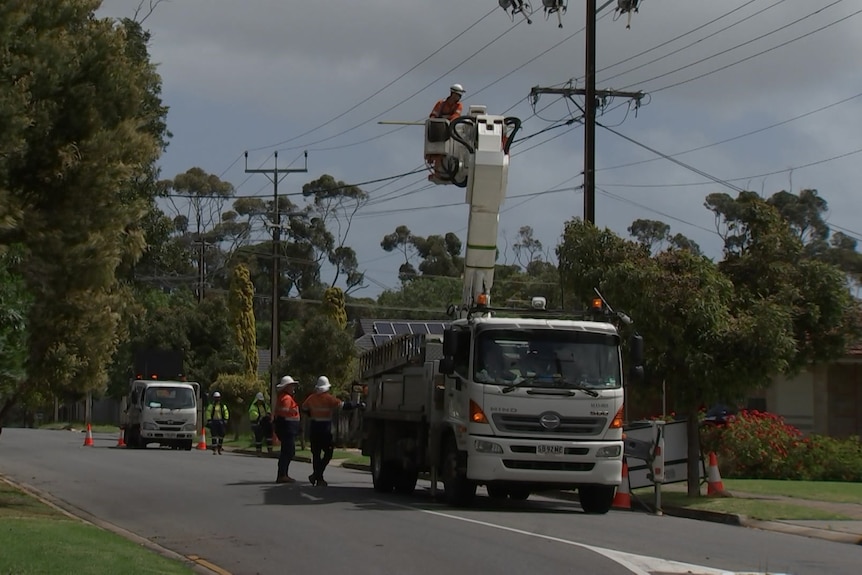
229 511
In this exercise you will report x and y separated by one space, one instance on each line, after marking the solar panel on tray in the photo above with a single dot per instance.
383 328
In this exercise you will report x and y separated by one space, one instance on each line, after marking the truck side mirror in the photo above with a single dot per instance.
447 365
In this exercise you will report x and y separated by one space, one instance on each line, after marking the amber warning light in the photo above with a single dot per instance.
597 303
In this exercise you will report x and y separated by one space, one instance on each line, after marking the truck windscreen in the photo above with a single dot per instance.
547 358
169 397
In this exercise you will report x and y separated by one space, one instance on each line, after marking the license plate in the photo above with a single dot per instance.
550 450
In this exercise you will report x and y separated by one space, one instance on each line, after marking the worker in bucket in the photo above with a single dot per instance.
261 423
320 407
286 426
450 107
217 423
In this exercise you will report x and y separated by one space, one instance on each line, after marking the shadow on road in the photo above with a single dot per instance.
301 493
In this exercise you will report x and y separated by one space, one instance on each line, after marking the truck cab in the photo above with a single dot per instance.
162 412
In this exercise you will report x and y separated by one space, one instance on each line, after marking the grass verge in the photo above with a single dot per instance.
80 426
761 509
38 540
833 491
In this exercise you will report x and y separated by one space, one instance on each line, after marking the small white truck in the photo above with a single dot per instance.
161 408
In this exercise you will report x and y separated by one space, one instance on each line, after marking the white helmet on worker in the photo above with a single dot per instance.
216 395
285 381
259 396
322 385
457 89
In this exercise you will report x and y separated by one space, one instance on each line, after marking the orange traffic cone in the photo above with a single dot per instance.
88 440
714 486
120 441
202 444
622 499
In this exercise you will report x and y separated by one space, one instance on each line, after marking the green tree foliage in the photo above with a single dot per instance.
766 258
334 306
698 341
421 298
241 305
82 121
653 235
14 302
439 255
320 347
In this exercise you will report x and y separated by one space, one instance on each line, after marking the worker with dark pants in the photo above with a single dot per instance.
320 407
261 423
219 416
286 426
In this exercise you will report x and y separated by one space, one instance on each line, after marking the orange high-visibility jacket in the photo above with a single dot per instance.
443 109
287 407
321 406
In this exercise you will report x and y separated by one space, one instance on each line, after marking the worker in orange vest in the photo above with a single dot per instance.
320 407
286 426
449 108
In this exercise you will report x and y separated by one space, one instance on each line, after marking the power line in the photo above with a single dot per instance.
689 45
751 57
366 99
739 136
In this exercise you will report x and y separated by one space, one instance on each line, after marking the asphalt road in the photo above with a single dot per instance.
228 510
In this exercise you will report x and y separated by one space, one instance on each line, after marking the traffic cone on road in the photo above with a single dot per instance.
622 499
88 440
120 441
714 486
202 444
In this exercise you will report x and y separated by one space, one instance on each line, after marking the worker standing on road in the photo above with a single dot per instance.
261 423
320 406
219 416
286 426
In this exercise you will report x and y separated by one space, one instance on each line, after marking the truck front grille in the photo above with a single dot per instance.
514 423
549 465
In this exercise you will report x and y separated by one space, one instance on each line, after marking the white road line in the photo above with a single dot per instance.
637 564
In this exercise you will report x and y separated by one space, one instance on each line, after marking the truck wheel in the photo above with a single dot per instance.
519 493
497 491
458 490
187 444
596 499
383 473
405 482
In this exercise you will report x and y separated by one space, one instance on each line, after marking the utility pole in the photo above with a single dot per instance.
590 94
275 175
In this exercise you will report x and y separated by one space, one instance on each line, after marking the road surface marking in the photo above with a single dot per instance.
637 564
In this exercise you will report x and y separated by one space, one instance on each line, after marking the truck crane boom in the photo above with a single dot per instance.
476 157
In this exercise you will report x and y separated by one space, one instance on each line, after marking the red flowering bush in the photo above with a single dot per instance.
757 445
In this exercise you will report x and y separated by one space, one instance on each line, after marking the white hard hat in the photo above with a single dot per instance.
216 395
457 88
323 384
259 396
285 381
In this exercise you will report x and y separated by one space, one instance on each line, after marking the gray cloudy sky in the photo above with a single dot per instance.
258 74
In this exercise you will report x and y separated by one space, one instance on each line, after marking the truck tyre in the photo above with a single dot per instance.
497 491
596 499
405 482
519 493
187 444
383 473
458 490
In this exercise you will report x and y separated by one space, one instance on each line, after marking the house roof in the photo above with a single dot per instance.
371 333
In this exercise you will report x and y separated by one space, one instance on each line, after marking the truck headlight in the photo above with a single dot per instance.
149 425
609 451
189 427
483 446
